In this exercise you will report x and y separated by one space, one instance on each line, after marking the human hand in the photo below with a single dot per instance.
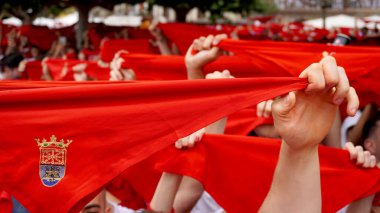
219 75
118 73
189 141
264 109
203 51
361 157
156 32
303 118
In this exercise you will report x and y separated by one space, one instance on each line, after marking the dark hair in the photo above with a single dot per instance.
369 127
11 60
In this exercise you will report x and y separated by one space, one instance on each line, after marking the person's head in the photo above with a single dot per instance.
341 40
371 135
10 64
23 40
35 52
364 30
98 204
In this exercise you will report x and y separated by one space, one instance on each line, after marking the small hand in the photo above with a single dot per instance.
264 109
361 157
189 141
219 75
203 51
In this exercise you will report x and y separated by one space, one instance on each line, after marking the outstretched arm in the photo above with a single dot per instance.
303 119
165 193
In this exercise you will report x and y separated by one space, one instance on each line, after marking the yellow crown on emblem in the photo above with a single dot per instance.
53 142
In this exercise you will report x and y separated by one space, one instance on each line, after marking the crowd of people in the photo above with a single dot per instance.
301 119
31 43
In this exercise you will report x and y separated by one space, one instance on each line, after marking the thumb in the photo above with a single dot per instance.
191 51
214 53
282 106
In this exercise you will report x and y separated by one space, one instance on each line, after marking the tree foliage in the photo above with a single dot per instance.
33 8
217 7
29 9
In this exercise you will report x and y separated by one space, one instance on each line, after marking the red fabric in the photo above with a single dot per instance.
237 171
376 200
94 38
136 33
96 72
33 70
182 35
110 47
108 124
125 192
5 202
244 121
71 56
5 29
90 54
17 85
42 37
158 67
62 70
241 46
361 67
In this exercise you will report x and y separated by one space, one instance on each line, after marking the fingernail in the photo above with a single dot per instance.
338 101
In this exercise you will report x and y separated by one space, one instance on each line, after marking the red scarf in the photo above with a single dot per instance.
112 46
113 126
237 171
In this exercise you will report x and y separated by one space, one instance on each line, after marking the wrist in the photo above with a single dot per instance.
192 65
298 150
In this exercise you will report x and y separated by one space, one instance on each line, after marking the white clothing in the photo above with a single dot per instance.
207 204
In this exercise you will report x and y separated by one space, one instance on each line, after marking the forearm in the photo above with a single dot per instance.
163 47
333 138
355 134
362 205
194 73
217 127
267 131
166 190
296 182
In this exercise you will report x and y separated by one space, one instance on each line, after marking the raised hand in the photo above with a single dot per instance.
361 157
189 141
303 118
202 52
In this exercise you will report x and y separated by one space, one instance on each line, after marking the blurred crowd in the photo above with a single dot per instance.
37 53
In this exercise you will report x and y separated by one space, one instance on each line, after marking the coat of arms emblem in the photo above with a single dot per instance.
52 160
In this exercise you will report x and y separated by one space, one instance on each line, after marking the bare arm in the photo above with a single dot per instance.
333 138
355 134
160 39
165 193
296 181
366 160
362 205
